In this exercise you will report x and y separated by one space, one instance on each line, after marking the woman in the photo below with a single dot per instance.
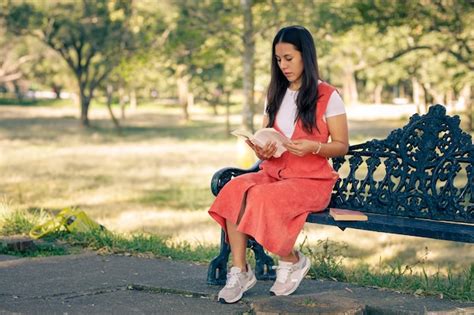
272 205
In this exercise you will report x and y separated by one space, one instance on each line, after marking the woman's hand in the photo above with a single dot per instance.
301 147
264 153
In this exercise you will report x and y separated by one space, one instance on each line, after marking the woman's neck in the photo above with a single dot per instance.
295 85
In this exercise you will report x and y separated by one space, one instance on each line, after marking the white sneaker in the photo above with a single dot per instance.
237 283
289 275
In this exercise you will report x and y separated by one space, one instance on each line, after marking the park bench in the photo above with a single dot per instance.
418 181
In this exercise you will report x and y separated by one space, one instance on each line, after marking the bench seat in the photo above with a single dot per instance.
441 230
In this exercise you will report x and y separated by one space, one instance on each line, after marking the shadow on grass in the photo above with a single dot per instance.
194 130
41 249
32 102
54 129
178 198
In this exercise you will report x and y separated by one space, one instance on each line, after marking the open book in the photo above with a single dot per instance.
347 215
262 136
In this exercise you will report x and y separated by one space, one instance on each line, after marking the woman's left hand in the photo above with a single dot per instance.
301 147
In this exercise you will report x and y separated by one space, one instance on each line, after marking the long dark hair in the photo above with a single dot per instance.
302 40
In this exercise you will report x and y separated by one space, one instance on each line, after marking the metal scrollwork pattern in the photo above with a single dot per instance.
423 170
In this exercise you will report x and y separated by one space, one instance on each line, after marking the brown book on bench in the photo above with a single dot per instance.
347 215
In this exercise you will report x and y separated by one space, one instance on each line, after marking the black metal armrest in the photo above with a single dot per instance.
223 176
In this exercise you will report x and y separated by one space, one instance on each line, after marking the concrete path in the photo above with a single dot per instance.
94 284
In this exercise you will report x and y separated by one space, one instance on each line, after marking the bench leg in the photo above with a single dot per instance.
264 263
217 271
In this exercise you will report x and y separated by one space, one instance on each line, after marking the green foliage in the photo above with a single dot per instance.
326 259
17 223
107 242
33 102
151 45
92 37
402 278
449 22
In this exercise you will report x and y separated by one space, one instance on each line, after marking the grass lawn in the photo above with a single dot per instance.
153 179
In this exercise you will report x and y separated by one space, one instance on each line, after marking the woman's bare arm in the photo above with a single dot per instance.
338 146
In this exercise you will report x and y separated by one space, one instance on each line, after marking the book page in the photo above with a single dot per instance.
262 136
265 135
242 133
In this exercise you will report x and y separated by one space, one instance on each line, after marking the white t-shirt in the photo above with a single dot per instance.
286 115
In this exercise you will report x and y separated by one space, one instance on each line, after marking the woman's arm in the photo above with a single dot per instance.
338 146
338 130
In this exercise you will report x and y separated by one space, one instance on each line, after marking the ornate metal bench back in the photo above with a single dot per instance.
423 170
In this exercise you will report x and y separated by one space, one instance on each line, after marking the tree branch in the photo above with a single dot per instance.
461 59
16 65
394 57
10 77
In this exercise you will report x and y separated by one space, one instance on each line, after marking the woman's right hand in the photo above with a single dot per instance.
264 153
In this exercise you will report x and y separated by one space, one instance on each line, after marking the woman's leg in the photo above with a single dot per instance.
292 257
238 246
239 279
238 240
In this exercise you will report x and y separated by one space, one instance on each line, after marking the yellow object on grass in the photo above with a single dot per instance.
71 220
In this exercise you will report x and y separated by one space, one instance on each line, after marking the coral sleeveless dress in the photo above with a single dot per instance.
280 196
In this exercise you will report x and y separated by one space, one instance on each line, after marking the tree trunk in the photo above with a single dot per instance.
109 106
227 114
183 89
121 102
248 66
427 96
85 101
133 99
190 100
57 90
449 96
401 90
349 88
354 93
18 91
214 108
466 94
436 97
378 94
416 94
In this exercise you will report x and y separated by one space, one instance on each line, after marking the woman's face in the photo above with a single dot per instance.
290 61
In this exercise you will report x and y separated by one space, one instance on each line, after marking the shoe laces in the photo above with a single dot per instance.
232 279
283 272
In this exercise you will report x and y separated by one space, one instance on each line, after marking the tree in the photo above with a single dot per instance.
14 54
91 36
442 27
49 72
144 70
248 40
